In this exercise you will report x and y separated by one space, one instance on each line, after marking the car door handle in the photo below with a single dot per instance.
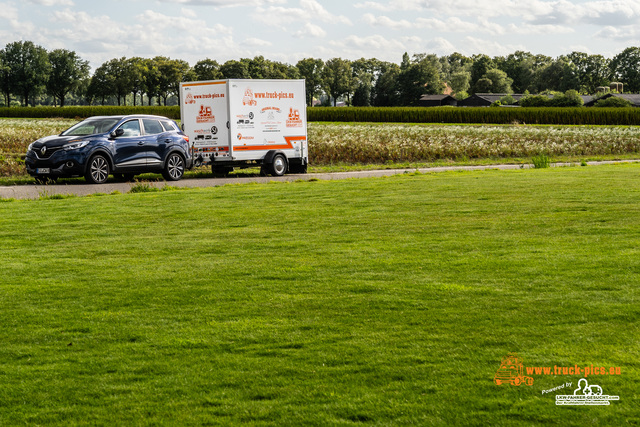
141 143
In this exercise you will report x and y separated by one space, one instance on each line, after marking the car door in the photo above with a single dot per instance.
156 141
130 147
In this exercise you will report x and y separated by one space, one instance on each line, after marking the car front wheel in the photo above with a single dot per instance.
98 170
174 168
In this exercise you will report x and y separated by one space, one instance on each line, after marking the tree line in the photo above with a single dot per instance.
33 75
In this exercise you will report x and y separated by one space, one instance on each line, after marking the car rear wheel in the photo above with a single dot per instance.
98 170
174 168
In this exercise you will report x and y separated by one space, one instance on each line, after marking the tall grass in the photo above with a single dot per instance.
401 143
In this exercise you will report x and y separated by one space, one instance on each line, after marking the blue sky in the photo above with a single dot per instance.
289 30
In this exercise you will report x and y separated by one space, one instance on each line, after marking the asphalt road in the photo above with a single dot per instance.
34 191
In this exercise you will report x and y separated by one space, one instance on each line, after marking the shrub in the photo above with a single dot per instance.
507 100
541 161
534 101
613 102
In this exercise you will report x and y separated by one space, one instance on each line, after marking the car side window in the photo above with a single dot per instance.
168 126
131 128
152 127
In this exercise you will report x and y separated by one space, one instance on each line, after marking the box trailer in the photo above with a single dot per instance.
246 123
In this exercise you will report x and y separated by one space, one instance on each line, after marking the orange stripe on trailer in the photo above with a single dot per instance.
203 84
288 145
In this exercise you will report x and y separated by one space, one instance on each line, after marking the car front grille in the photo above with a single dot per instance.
47 154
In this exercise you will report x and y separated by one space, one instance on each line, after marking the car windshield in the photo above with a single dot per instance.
91 127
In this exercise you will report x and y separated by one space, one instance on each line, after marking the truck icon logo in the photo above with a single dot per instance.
511 371
205 115
248 98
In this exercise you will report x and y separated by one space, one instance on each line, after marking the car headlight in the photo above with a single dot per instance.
30 146
75 145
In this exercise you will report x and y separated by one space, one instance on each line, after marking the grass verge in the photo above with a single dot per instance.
383 301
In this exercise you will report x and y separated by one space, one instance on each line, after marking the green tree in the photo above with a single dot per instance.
152 79
456 70
494 81
121 73
29 69
365 72
460 81
233 69
207 69
5 85
560 76
592 70
419 76
337 78
385 90
101 85
138 72
481 64
520 66
310 70
172 72
67 73
625 67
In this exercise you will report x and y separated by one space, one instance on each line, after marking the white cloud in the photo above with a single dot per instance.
385 21
624 33
8 11
52 2
226 3
311 30
309 10
252 41
188 13
474 45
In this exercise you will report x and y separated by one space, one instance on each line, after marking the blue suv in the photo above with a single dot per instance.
120 145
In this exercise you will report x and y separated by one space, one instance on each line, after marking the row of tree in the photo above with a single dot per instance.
28 71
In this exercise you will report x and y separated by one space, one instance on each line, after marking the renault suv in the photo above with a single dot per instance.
120 145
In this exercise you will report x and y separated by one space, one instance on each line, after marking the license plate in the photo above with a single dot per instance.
43 171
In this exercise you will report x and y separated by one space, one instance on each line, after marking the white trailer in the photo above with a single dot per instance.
246 123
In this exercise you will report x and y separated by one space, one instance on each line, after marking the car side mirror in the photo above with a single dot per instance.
116 133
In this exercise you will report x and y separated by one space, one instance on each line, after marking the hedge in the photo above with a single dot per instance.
80 112
508 115
553 116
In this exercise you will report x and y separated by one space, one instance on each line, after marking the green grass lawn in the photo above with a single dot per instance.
376 301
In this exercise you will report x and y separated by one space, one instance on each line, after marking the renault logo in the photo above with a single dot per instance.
43 150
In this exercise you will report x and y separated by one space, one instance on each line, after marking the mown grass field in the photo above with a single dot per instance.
376 301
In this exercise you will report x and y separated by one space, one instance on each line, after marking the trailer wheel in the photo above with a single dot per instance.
279 165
